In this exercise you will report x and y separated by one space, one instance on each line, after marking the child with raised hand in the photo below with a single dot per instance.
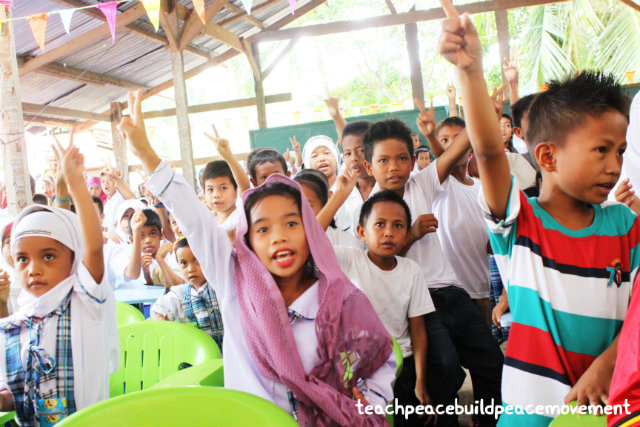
568 305
147 238
194 301
57 351
297 332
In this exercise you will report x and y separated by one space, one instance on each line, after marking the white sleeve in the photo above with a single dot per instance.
345 257
209 243
169 305
378 388
420 302
428 180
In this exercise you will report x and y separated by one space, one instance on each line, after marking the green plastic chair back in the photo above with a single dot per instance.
400 362
182 406
151 351
126 314
209 373
577 420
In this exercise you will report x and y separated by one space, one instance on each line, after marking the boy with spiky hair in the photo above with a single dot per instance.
567 258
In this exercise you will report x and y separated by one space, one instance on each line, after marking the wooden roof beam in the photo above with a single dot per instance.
59 112
30 120
193 26
632 4
397 19
60 71
233 8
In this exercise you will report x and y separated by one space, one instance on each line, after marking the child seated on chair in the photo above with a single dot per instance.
297 332
567 258
58 349
194 301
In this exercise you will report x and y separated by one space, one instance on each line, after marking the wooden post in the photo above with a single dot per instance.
258 80
502 27
417 88
14 150
182 116
119 144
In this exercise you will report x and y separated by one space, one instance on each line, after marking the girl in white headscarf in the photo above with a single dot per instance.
321 153
58 350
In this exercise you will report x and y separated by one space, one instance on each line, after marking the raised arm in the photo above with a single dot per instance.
72 168
62 199
296 149
451 95
426 122
122 186
239 174
344 186
510 70
460 45
336 116
452 155
132 271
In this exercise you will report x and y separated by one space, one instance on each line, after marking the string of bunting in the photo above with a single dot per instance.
38 21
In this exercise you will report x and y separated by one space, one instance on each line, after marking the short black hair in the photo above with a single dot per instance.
451 121
40 199
98 201
153 220
385 129
383 196
180 243
520 107
565 105
262 155
423 150
357 128
215 169
317 181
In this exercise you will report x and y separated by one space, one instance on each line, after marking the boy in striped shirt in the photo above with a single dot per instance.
567 258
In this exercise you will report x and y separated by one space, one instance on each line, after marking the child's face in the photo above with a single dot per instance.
506 129
174 226
277 236
220 193
587 165
385 230
353 154
265 170
423 160
95 190
446 135
322 159
391 164
108 185
150 239
190 267
124 221
312 198
6 249
41 263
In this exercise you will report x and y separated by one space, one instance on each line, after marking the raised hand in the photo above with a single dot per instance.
510 68
133 128
164 250
71 161
424 224
332 106
345 183
627 195
137 222
459 42
5 287
451 92
426 120
222 145
497 99
294 144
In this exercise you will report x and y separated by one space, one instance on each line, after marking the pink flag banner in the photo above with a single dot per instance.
6 3
292 5
110 11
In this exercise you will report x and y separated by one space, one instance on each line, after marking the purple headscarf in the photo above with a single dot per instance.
352 340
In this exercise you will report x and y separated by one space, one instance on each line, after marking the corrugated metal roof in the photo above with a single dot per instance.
132 57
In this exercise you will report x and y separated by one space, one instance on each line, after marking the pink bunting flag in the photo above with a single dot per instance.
6 3
292 5
38 24
110 11
198 6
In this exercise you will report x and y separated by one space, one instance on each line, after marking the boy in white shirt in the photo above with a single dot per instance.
396 289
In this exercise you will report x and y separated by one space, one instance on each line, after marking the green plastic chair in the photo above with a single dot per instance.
6 417
126 314
577 420
182 406
209 373
151 351
397 350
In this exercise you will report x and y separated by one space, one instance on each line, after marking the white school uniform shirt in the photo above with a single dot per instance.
349 213
171 304
345 239
94 336
214 250
232 220
109 210
463 235
396 295
420 192
522 170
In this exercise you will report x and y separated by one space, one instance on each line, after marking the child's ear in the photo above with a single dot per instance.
367 167
360 231
545 156
288 173
253 182
518 132
330 194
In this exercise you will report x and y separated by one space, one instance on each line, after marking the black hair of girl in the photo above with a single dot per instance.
276 189
180 243
318 182
510 146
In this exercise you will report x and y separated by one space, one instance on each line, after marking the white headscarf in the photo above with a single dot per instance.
315 142
58 224
122 208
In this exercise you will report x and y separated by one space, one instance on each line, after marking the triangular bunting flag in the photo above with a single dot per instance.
198 6
7 3
248 4
38 24
110 10
66 15
153 12
292 5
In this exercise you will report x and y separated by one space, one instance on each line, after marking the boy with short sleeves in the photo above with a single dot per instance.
567 258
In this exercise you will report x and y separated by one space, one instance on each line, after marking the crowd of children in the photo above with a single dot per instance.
306 269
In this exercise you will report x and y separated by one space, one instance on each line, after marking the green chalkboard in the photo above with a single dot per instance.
278 137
